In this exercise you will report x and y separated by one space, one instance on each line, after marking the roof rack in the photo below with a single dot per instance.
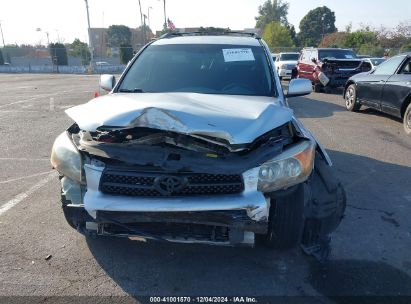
226 33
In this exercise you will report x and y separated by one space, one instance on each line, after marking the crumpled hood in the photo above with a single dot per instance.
237 119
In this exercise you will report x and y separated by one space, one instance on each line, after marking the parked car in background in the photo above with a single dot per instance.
285 63
196 144
329 67
387 89
374 61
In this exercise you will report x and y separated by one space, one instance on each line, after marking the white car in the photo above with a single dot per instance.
284 63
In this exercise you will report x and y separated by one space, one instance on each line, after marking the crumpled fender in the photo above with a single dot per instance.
307 134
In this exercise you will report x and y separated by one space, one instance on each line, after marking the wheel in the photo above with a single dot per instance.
286 220
407 120
351 99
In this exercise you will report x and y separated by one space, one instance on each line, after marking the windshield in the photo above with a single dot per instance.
336 54
377 61
289 57
200 68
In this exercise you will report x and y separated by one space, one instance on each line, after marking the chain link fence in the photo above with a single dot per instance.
64 60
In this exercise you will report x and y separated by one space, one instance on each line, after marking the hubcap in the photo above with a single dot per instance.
349 98
409 120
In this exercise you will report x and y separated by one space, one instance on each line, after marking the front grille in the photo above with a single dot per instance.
145 184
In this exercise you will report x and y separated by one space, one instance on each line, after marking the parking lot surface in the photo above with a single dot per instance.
370 250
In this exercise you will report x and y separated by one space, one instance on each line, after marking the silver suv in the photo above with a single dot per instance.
196 144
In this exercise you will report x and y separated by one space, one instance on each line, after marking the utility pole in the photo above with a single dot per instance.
89 38
2 36
165 15
142 25
144 31
48 39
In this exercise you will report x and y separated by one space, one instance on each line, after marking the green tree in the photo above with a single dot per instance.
118 35
277 35
358 38
293 34
334 40
80 49
126 53
58 53
1 58
315 25
275 10
406 47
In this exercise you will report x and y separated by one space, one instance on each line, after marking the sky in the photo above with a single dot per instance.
65 20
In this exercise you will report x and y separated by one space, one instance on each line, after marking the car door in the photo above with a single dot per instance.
370 88
397 89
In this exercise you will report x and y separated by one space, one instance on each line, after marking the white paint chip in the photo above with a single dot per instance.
232 55
22 196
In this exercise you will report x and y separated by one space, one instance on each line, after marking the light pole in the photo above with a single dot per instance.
2 36
141 19
89 38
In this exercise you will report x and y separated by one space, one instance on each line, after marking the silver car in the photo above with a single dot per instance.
195 143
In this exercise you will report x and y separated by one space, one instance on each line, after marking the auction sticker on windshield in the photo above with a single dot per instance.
231 55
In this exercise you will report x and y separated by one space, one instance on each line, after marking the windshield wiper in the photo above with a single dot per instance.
136 90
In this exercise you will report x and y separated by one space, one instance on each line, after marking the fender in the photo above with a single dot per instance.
307 134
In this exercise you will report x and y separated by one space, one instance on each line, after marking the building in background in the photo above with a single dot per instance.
101 47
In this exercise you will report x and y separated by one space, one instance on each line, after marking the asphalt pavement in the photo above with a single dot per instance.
40 255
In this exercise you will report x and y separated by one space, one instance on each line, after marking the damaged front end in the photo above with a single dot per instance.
335 72
173 186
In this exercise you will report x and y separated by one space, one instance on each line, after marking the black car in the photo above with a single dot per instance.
387 88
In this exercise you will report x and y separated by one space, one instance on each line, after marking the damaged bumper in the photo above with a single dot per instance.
222 219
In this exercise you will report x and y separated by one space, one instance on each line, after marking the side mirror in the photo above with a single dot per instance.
107 82
314 60
299 87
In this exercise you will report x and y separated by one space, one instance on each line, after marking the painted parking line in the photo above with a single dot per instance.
22 196
24 177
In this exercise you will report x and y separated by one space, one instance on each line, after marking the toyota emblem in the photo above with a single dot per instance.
168 185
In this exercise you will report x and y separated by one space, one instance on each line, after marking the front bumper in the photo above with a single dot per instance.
222 219
285 73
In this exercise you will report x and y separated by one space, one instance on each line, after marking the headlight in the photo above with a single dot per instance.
290 168
65 158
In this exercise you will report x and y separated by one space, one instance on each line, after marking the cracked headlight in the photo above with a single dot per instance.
66 159
290 168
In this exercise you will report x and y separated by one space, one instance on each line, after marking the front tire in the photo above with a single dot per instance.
407 120
286 220
350 97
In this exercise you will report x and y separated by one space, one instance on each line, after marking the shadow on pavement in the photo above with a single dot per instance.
313 108
151 268
343 279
